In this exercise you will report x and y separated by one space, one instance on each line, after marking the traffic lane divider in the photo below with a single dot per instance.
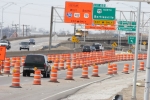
11 71
102 69
24 53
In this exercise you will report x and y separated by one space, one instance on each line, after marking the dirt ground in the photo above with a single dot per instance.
127 92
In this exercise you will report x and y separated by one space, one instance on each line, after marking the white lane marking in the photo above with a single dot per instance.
5 75
26 80
77 87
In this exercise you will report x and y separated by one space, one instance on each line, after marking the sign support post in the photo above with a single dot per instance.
136 53
51 28
74 45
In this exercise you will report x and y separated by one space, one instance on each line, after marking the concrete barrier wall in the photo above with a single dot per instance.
78 45
24 53
34 36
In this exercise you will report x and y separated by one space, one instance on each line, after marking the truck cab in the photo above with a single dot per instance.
98 46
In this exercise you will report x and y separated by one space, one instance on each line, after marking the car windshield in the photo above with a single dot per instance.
35 59
86 47
93 47
31 39
96 44
24 43
3 41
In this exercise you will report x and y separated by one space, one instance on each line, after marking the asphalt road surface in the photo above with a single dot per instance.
48 90
39 43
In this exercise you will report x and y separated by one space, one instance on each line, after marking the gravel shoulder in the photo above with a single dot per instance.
105 90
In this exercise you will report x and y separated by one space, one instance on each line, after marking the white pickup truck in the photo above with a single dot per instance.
98 46
5 43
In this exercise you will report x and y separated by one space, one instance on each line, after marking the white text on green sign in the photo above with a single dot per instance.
128 23
127 28
100 13
99 5
131 40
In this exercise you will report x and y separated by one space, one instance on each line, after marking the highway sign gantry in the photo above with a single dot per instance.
131 40
104 13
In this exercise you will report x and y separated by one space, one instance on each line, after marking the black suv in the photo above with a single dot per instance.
39 61
88 49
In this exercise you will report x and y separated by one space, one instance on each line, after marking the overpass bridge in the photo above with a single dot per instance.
110 40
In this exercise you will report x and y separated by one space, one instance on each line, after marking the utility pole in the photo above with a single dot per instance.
23 30
74 46
51 27
26 28
1 25
16 27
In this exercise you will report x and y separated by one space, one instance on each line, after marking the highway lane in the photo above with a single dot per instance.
33 92
39 42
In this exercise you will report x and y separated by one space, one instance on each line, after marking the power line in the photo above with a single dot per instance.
20 2
27 14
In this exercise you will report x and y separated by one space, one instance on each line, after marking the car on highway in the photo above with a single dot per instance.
39 61
98 46
31 41
24 45
88 49
5 43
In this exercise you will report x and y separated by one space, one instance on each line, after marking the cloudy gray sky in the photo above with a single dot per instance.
37 14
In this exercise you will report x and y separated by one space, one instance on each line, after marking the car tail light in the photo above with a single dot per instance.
24 64
44 65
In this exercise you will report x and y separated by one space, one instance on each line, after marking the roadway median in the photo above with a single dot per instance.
24 53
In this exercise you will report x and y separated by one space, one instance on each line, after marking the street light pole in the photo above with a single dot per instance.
19 21
20 16
147 81
136 53
2 24
1 35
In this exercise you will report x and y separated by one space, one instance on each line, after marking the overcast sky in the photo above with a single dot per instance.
37 14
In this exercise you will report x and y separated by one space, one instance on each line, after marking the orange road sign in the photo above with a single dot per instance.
100 27
104 22
78 12
2 52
